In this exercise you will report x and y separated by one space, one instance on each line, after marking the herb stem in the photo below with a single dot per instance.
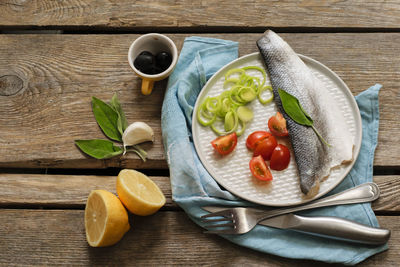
139 151
320 137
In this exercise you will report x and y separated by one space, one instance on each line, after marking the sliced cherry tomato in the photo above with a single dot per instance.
225 144
259 169
280 158
265 147
254 137
277 125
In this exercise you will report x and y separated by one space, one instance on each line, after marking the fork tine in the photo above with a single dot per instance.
222 213
227 228
205 220
220 225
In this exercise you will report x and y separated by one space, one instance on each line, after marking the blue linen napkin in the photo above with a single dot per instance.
193 187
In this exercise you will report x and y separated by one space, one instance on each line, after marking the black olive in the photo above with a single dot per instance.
145 62
154 70
146 53
163 60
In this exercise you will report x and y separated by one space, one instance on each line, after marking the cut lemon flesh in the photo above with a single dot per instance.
106 220
139 193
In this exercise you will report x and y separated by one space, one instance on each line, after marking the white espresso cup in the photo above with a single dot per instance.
154 43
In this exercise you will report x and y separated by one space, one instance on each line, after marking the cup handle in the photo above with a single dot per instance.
147 86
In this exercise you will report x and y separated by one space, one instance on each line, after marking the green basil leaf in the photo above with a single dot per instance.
293 109
99 149
107 119
122 122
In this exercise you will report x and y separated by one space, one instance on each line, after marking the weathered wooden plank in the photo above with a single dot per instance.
201 14
54 107
49 237
72 190
62 190
388 199
60 74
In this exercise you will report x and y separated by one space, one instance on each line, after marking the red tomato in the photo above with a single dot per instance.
254 137
259 169
265 147
280 158
277 125
225 144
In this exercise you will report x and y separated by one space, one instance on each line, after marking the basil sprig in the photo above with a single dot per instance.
295 111
122 123
99 149
107 118
112 121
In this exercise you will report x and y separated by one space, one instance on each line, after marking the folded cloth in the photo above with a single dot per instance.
193 187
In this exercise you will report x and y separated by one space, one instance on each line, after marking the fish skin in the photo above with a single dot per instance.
288 72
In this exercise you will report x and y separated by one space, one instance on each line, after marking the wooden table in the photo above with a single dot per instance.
56 55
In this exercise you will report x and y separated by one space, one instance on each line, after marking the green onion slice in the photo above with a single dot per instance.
228 108
268 100
244 114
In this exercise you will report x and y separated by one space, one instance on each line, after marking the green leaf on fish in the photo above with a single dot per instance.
295 111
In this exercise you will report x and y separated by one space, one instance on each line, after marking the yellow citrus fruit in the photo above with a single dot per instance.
139 193
106 219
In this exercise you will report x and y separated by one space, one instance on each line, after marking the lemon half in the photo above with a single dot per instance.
139 193
106 220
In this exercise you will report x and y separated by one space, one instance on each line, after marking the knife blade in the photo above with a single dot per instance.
326 226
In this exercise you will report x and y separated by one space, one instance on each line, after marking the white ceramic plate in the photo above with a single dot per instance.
232 171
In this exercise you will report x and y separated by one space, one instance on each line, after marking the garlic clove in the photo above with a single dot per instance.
136 133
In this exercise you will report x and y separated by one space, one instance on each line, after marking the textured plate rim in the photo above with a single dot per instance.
326 71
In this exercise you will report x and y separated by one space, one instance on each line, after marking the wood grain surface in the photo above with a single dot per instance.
46 85
62 190
66 191
200 14
48 80
57 237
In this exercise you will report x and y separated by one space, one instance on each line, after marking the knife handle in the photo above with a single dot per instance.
341 229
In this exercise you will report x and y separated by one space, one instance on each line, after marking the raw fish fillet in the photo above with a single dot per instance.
314 159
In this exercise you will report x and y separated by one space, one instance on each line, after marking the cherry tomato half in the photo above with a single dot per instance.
259 169
225 144
265 147
277 125
254 137
280 158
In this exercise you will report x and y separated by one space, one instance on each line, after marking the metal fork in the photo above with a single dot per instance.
241 220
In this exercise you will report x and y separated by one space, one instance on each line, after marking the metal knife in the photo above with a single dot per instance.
331 227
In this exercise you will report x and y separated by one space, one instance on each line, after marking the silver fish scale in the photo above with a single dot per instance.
287 72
